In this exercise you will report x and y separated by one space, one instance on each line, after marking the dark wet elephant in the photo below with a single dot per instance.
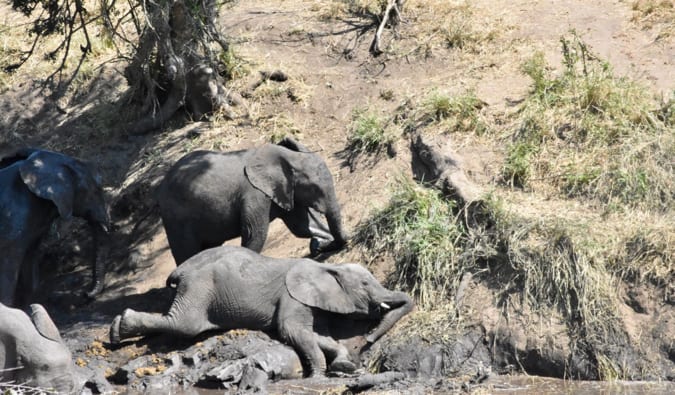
232 287
210 197
36 187
33 354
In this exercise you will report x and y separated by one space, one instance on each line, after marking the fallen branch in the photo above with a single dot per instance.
392 11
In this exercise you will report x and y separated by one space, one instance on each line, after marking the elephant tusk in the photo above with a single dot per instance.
384 305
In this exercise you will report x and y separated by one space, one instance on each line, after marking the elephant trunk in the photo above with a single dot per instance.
98 230
334 219
398 304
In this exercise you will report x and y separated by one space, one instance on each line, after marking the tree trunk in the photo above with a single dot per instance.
175 65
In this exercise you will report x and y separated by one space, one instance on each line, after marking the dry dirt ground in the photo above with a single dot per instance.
331 75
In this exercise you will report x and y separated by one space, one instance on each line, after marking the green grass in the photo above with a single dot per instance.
419 229
232 65
590 135
459 113
369 132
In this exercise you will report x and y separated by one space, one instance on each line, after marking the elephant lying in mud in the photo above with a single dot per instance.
33 354
209 197
232 287
36 187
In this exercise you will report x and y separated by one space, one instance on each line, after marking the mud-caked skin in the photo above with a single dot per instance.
209 197
32 352
232 287
36 187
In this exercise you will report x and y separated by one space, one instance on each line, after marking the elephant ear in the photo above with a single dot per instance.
293 144
317 285
47 176
43 323
271 174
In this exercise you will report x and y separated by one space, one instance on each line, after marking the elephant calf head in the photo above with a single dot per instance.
32 352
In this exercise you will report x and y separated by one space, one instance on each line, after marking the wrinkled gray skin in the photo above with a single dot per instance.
32 352
210 197
232 287
36 187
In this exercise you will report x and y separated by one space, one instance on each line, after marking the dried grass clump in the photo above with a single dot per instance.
656 13
442 24
644 251
429 25
461 113
590 135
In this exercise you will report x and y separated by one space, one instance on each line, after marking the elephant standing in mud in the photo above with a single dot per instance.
36 187
209 197
231 287
33 354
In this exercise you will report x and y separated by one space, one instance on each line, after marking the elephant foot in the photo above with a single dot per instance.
115 330
317 246
119 329
342 365
314 247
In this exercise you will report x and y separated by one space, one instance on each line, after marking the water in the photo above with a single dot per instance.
500 385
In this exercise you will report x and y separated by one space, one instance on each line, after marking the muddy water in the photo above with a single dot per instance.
522 385
544 385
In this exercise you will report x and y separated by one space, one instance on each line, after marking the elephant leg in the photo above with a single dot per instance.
30 273
337 352
10 267
305 343
134 323
182 241
254 228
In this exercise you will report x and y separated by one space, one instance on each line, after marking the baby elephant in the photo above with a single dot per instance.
32 352
232 287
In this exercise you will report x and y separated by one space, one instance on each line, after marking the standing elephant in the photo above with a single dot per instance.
209 197
232 287
33 354
37 186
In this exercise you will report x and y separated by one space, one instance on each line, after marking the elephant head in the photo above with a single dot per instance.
73 190
68 183
348 289
32 352
292 176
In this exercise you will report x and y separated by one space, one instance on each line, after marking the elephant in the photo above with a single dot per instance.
32 353
36 187
209 197
232 287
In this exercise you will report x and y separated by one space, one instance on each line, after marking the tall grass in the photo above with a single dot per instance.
591 135
546 263
419 229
